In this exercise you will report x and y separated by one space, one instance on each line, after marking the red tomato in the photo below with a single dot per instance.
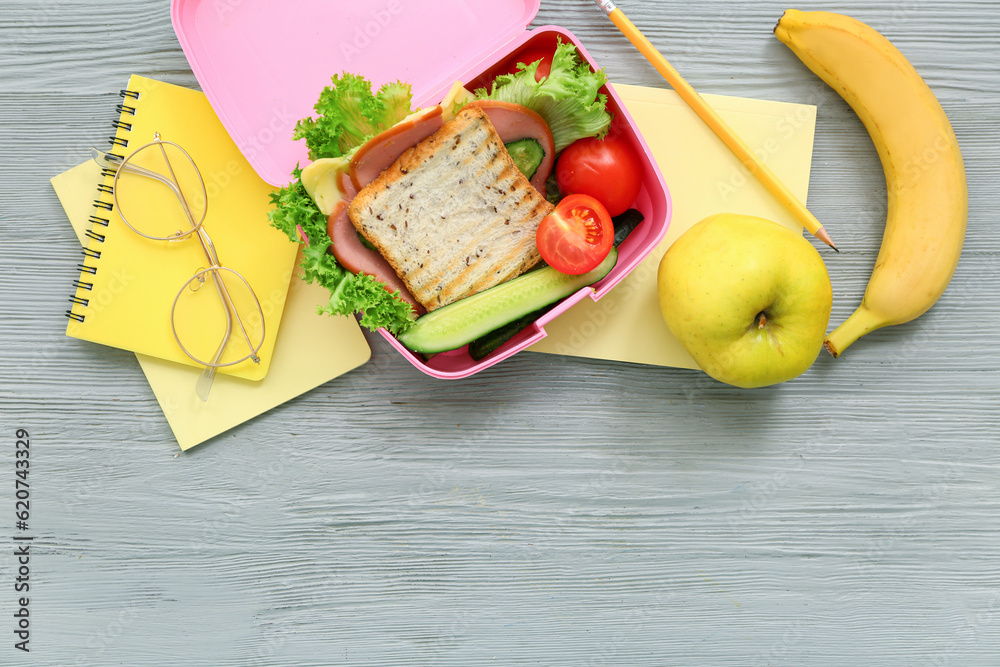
607 169
529 56
577 236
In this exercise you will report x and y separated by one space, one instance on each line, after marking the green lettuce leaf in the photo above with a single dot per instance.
349 293
348 114
567 98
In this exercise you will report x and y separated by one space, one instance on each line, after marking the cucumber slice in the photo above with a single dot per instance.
527 155
463 321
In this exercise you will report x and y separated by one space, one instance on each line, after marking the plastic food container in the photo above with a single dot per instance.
263 63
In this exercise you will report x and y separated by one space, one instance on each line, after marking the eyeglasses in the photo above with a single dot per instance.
156 187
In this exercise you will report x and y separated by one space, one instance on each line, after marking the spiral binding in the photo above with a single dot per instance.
101 205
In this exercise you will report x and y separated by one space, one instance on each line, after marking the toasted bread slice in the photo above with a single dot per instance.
453 215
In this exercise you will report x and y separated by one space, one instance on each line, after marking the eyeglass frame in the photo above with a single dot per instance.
122 165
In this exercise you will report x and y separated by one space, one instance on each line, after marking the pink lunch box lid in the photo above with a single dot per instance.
263 63
262 67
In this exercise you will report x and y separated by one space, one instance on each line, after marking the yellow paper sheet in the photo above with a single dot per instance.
704 178
309 350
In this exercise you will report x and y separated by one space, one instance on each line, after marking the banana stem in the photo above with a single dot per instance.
861 322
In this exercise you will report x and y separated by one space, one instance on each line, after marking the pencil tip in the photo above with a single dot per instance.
825 238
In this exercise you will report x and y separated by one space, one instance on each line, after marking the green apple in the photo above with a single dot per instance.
747 298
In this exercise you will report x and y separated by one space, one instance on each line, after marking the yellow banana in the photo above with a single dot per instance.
925 177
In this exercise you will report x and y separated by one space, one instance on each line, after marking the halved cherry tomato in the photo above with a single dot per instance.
608 169
576 236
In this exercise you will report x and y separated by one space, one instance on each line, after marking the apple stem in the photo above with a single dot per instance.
762 322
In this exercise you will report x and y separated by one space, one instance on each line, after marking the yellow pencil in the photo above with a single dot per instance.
715 122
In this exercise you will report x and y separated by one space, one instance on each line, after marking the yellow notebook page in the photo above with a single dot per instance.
137 279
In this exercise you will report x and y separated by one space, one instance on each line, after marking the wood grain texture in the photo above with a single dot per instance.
551 511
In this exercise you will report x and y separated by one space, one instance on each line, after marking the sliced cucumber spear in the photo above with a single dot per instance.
460 322
482 346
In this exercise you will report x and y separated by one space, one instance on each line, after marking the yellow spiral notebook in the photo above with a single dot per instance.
128 283
309 351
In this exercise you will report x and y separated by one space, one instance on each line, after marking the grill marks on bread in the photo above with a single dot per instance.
453 215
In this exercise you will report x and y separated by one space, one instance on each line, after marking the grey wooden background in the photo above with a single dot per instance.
550 511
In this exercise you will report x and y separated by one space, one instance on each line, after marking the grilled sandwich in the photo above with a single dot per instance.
453 215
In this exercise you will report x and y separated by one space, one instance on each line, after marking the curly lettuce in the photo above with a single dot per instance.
350 293
568 98
348 114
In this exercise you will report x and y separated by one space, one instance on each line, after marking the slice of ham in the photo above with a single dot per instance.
379 152
356 257
513 122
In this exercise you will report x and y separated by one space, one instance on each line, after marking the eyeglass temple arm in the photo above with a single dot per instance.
209 247
231 308
109 161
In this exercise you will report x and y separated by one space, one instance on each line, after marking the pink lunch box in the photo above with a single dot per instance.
263 63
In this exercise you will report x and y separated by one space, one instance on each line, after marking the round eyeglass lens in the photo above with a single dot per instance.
160 193
217 318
